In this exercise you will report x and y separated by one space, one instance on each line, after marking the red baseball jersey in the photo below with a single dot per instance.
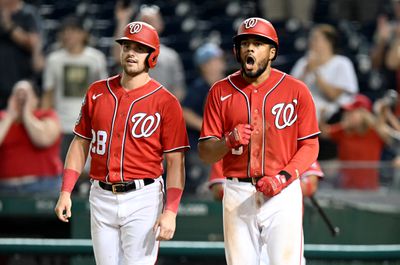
130 130
281 110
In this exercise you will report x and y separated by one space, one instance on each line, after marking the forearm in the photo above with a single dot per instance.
43 133
77 154
74 163
378 54
23 38
212 150
306 154
175 181
175 170
331 92
392 59
5 125
192 119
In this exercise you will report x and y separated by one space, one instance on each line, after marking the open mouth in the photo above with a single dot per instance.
250 61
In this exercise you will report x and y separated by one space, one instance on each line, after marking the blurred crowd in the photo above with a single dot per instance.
346 51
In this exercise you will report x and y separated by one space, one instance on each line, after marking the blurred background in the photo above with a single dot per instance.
61 47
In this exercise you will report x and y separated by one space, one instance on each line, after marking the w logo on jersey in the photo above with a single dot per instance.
144 125
284 114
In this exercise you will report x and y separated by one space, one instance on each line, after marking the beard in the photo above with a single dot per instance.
133 71
261 67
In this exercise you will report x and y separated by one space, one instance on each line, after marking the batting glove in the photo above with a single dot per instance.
240 135
271 186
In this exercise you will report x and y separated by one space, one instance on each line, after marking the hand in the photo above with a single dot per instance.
166 222
123 14
30 102
384 29
240 135
312 62
218 191
63 207
271 186
12 107
309 185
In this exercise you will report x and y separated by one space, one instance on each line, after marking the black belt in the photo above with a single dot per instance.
125 186
250 180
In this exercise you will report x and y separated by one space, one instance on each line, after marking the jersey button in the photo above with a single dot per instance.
257 131
256 110
255 90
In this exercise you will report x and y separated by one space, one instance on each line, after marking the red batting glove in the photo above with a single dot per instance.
240 135
270 186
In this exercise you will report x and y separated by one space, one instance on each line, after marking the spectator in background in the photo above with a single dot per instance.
169 71
30 142
360 137
20 45
391 37
211 65
331 77
69 72
282 10
383 67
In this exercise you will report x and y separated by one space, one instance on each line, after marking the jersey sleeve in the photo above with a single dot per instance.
212 119
173 129
307 115
83 126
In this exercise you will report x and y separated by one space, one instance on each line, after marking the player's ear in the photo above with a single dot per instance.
272 52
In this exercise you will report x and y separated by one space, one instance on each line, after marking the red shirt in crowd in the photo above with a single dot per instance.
358 147
19 157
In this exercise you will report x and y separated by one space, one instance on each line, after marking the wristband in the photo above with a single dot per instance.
174 196
70 177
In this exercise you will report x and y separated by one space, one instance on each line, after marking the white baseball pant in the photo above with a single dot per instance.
122 223
252 220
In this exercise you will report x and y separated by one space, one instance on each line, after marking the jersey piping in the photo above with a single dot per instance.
248 120
126 126
112 126
263 116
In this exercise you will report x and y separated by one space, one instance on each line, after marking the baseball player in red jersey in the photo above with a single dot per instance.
262 122
128 123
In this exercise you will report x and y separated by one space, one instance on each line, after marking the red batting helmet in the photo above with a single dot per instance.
255 26
145 34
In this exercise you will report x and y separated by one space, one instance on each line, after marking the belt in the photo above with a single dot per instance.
250 180
125 186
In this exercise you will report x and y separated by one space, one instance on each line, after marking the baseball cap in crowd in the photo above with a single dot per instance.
207 52
360 101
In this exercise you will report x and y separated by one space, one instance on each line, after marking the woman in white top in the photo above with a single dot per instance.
330 77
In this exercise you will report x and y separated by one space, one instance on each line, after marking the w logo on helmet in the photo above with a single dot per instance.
250 23
135 28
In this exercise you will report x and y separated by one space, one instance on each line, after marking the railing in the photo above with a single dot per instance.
199 248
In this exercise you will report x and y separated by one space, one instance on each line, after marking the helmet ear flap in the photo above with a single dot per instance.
152 59
236 52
